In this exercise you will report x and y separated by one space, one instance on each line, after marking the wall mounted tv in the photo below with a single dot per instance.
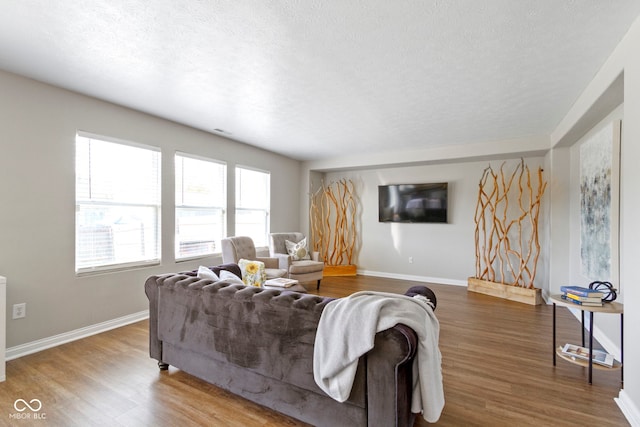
413 202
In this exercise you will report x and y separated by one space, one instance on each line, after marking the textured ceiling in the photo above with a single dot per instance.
311 79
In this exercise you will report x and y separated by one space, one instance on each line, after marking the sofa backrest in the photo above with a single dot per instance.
236 248
277 241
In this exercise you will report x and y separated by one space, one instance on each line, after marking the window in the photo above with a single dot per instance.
252 204
200 205
117 204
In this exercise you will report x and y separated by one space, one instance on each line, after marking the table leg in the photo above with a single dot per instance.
554 334
590 346
582 323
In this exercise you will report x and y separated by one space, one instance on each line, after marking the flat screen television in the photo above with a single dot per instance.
413 202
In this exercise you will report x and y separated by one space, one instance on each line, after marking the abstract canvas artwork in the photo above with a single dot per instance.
596 166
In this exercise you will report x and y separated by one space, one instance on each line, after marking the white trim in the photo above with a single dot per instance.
628 408
112 268
438 280
56 340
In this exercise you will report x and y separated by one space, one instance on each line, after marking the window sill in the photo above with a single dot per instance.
117 268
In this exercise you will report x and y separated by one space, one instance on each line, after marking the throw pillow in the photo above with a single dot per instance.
207 273
253 272
230 277
298 250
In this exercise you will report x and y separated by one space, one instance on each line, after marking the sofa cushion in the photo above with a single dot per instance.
298 250
305 266
274 273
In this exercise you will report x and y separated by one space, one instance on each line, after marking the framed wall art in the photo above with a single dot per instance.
599 204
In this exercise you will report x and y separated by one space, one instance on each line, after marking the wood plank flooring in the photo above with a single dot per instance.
496 360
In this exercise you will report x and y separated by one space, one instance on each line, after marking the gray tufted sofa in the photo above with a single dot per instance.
258 343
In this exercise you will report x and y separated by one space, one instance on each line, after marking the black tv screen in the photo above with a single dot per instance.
413 202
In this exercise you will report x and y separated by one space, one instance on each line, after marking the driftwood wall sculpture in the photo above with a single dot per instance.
333 222
506 232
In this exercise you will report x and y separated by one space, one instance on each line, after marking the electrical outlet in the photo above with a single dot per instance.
410 260
19 310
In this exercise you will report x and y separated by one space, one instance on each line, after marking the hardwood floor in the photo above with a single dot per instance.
496 361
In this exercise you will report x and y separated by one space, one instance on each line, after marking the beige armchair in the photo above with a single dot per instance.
304 270
241 247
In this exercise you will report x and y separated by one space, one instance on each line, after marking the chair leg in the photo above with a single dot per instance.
318 287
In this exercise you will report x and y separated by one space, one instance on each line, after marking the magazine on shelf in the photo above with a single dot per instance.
576 352
281 282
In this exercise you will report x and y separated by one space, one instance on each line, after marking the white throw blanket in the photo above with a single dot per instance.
347 330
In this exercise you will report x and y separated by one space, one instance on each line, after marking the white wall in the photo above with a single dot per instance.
443 253
624 61
630 226
38 124
557 162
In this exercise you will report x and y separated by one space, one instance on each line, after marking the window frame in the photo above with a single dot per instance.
179 205
97 268
266 210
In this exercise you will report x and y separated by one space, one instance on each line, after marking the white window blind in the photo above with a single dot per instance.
201 201
253 204
117 204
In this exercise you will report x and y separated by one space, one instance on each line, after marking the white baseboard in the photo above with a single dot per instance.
438 280
628 408
45 343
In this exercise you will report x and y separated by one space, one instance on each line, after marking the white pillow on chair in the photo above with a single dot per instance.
298 250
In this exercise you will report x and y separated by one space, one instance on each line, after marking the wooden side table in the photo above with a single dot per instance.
608 307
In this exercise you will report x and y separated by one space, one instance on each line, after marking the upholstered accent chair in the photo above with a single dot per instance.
242 247
303 270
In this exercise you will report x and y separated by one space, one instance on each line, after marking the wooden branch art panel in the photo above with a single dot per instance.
506 231
333 222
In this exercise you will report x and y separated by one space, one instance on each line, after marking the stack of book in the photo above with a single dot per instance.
582 296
